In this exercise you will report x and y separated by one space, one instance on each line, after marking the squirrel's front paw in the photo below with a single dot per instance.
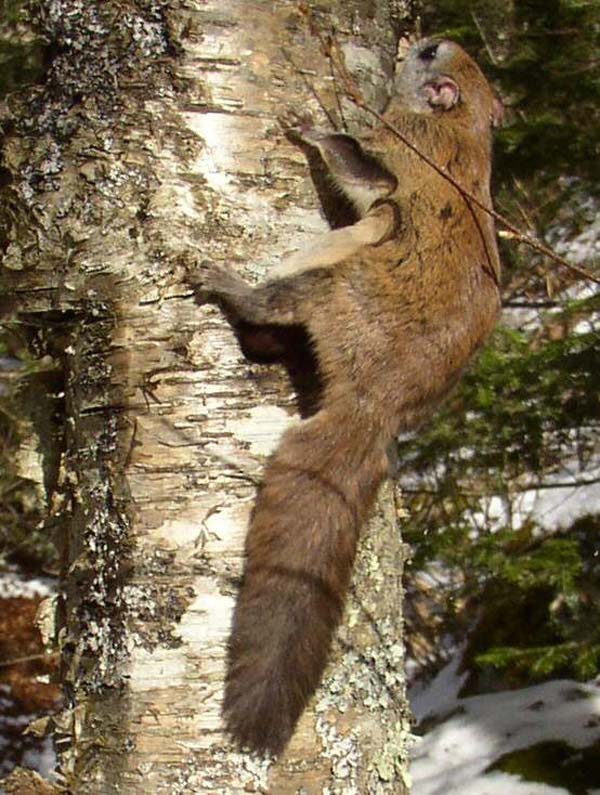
297 126
292 120
211 278
300 129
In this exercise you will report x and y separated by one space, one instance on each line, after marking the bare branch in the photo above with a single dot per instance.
332 51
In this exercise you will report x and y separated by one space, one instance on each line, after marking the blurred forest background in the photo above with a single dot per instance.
502 490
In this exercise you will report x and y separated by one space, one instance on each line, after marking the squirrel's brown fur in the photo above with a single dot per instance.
393 325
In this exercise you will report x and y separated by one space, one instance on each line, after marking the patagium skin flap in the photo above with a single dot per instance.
395 306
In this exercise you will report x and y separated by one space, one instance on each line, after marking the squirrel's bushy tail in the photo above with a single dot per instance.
317 490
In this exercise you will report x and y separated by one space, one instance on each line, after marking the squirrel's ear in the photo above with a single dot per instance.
497 114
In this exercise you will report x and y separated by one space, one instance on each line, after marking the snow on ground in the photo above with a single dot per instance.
452 758
552 507
35 753
13 584
577 245
440 696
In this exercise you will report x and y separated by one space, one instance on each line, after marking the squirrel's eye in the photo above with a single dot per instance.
429 52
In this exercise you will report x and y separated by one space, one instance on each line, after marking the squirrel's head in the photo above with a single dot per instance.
439 77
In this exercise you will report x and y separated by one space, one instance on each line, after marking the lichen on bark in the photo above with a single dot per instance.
154 138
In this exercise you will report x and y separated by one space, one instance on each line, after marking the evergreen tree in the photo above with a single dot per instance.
486 484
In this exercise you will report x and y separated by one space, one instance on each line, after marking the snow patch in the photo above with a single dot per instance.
13 584
454 756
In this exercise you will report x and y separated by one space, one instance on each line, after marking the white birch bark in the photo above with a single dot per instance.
157 137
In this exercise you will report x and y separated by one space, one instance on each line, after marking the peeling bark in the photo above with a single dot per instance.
154 138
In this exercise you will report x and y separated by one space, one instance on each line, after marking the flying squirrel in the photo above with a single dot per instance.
395 306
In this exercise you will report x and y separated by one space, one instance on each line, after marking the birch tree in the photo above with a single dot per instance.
154 140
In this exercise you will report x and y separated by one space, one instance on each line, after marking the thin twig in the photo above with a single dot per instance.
29 658
515 233
481 32
332 51
304 73
338 100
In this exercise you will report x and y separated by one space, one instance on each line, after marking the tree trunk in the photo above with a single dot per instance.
155 138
